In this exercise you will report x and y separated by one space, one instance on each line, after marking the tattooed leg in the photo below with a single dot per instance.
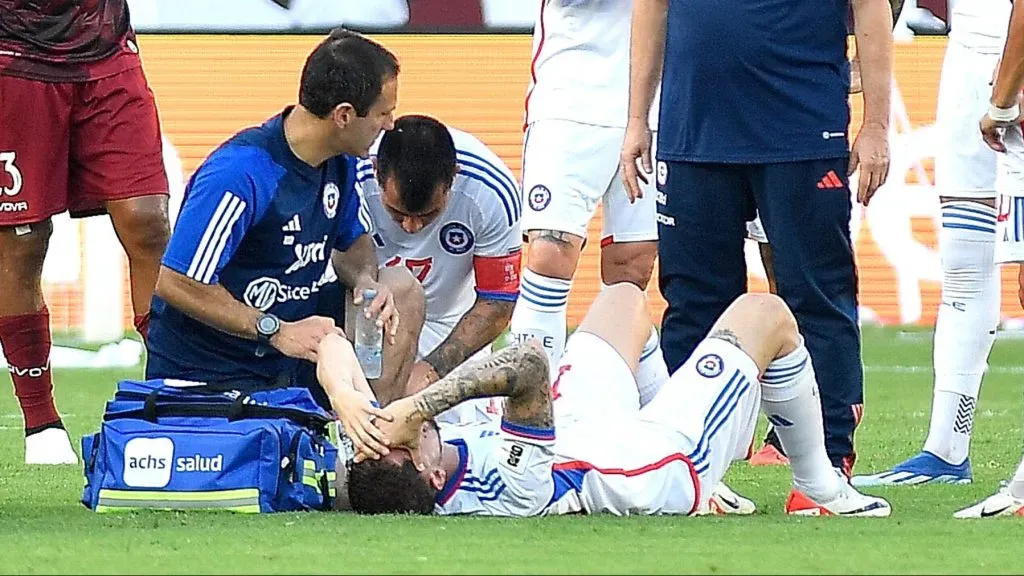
759 324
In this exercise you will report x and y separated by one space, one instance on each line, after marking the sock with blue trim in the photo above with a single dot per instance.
789 397
540 314
965 328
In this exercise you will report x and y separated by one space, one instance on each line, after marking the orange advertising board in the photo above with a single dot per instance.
209 87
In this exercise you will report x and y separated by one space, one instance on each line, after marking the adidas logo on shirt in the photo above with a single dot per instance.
293 225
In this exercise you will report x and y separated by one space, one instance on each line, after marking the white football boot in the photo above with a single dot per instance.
1002 503
849 502
723 500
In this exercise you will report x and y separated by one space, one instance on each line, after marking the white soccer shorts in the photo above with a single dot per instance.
568 168
654 460
965 166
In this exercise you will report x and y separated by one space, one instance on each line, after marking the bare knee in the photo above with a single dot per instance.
408 292
142 226
22 255
631 262
762 325
21 267
554 254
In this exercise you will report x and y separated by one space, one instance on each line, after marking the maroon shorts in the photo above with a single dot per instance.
75 146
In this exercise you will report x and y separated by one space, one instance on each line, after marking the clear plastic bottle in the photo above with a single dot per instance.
369 341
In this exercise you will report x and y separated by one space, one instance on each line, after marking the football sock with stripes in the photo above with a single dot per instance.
966 324
789 397
652 372
540 314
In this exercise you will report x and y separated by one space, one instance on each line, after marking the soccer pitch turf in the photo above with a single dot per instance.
43 528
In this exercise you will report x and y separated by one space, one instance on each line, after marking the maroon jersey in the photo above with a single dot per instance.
65 40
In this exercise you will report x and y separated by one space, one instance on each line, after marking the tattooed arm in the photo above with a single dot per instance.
518 372
479 326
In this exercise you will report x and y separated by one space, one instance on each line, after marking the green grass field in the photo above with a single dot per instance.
43 528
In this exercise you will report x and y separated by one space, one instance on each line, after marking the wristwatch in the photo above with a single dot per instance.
266 326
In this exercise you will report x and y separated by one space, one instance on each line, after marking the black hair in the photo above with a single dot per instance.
379 487
419 154
345 67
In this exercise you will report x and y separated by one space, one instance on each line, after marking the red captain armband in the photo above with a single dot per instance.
497 277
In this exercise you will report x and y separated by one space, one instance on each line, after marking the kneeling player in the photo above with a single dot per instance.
610 455
446 208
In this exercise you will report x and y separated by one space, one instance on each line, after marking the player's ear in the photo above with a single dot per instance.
343 114
437 478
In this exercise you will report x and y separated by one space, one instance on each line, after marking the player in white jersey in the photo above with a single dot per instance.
447 208
968 316
575 124
1001 129
609 454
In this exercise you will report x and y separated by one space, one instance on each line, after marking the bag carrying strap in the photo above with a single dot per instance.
152 409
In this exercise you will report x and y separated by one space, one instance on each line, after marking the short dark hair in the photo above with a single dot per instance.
420 154
379 487
345 67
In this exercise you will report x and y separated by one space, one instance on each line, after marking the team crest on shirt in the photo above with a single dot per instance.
331 198
662 173
710 366
456 238
539 197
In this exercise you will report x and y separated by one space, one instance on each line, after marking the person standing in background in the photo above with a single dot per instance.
756 116
80 133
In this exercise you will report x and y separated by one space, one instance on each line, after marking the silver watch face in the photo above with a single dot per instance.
268 325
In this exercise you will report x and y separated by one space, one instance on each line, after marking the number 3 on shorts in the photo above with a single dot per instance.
7 159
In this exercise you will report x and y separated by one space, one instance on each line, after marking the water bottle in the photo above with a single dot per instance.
369 339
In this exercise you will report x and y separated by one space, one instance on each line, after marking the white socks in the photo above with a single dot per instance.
540 314
966 324
789 397
652 372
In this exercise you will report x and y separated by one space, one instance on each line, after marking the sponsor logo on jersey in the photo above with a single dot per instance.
539 197
456 238
147 462
710 366
306 254
332 196
264 292
662 173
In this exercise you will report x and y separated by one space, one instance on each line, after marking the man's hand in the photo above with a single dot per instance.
636 146
301 339
360 417
383 306
871 153
403 425
422 375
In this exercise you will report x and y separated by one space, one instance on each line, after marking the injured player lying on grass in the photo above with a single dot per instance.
609 455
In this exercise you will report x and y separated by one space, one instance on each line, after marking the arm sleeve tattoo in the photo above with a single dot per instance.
480 325
519 372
